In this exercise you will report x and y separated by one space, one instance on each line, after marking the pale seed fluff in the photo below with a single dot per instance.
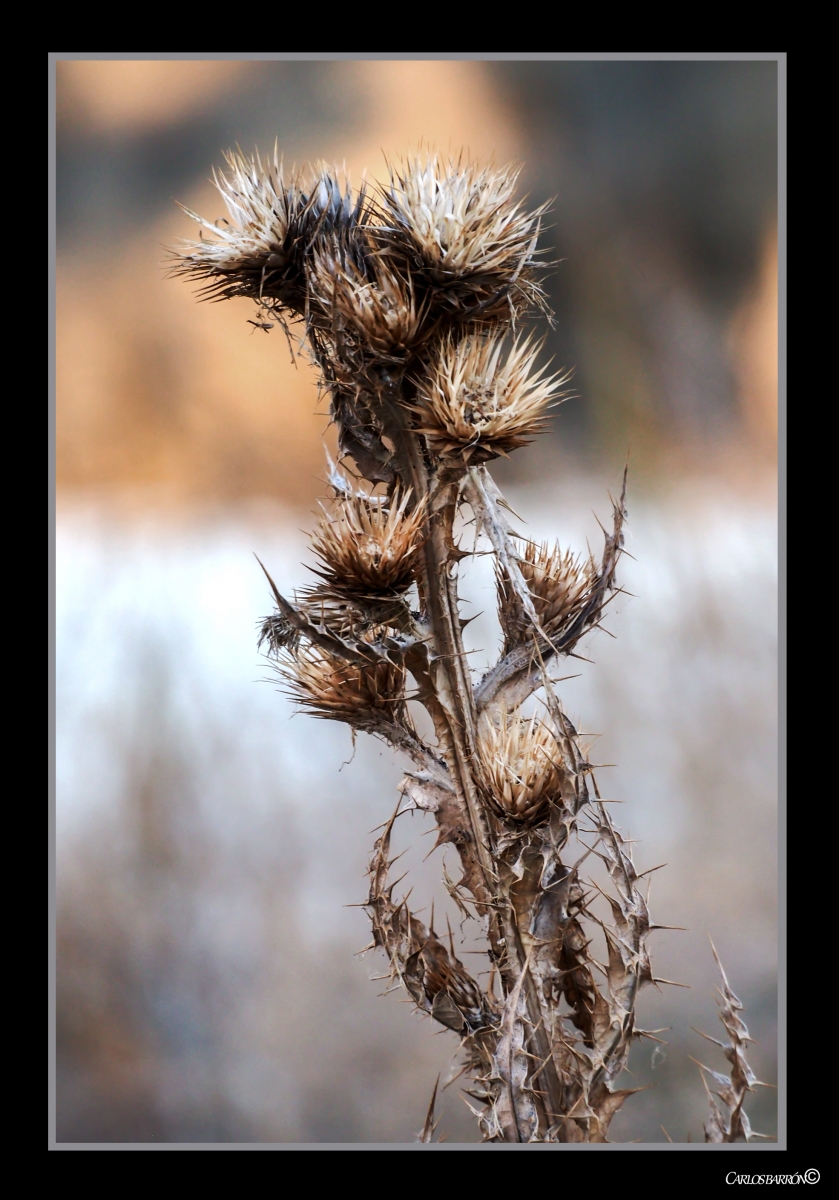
478 403
519 766
369 549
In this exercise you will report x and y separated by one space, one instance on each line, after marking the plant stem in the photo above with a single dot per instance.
453 709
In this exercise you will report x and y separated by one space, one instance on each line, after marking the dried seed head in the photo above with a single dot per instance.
519 767
369 549
475 406
336 690
333 610
260 252
459 227
373 306
560 585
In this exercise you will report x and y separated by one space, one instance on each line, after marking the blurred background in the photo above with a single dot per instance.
209 845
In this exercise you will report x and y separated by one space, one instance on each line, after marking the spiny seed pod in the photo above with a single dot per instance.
475 406
369 549
461 230
559 584
336 690
260 252
375 307
519 767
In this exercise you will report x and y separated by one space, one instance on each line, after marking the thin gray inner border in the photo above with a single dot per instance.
658 56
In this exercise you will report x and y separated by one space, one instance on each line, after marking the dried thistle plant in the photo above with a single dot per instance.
408 298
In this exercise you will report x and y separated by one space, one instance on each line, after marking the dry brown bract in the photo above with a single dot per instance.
728 1121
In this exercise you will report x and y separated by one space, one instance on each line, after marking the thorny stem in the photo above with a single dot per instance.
453 710
452 707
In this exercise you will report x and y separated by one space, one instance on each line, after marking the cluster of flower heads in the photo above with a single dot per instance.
425 274
368 550
422 281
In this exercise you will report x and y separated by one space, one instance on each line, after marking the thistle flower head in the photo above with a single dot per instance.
475 405
368 549
560 585
369 303
336 690
519 767
273 221
460 228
